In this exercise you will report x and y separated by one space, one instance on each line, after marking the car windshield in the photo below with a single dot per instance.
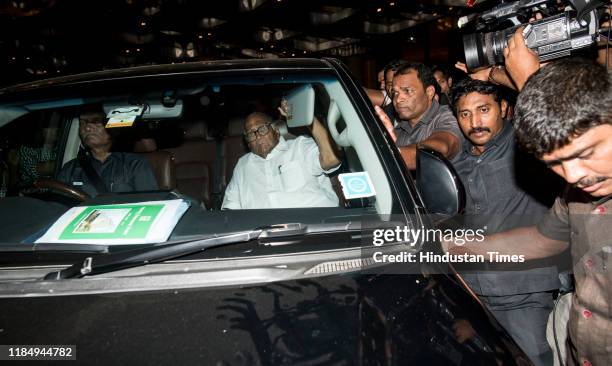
219 144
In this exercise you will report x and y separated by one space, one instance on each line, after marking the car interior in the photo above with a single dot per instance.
192 136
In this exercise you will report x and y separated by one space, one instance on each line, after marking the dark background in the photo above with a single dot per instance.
47 38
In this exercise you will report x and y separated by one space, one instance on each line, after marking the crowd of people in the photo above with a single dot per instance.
506 130
506 154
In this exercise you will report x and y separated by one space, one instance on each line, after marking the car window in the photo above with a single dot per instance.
190 132
29 149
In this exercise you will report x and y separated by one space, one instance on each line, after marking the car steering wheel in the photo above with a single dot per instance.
60 187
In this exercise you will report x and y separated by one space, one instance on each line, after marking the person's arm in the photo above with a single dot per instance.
527 241
443 142
327 155
65 174
493 74
377 97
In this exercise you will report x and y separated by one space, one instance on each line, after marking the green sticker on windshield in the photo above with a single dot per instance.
112 222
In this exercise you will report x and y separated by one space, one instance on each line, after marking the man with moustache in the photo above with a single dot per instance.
422 119
280 173
564 117
98 170
501 194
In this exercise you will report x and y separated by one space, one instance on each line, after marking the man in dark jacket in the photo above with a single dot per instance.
505 188
97 169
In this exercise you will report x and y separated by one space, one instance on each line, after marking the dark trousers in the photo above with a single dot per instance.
524 317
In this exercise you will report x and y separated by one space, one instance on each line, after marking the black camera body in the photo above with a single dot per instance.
551 37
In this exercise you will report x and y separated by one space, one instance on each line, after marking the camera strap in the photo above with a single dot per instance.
583 8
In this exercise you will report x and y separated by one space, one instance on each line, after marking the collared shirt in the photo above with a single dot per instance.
504 181
436 119
586 223
120 172
289 176
504 190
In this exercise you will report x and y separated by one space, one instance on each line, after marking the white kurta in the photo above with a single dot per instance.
290 176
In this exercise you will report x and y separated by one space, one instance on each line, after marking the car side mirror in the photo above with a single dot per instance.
438 183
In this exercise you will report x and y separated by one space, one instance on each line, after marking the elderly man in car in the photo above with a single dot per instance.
280 173
98 170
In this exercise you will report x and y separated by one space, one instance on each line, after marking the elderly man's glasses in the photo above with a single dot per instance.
259 131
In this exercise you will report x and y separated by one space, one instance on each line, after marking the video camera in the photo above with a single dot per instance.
557 35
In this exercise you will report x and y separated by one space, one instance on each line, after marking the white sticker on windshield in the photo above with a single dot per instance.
123 116
356 185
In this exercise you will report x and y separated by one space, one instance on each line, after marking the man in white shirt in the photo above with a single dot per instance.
280 173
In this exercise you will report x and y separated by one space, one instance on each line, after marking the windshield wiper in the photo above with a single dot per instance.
160 253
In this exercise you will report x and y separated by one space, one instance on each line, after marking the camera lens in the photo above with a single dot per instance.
474 51
484 49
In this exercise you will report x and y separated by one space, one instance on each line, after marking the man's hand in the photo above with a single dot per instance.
521 62
480 74
386 121
463 330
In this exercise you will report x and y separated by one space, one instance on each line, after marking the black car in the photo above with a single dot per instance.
281 286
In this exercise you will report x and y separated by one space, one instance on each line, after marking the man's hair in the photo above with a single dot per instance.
392 65
91 109
560 102
443 70
424 73
467 86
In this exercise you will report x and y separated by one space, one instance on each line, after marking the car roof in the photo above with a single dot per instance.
170 69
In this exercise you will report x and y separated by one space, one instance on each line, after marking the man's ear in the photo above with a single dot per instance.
431 92
504 108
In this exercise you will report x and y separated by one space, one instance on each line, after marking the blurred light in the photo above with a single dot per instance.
143 23
138 50
209 34
392 3
378 10
127 51
293 55
200 36
278 34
